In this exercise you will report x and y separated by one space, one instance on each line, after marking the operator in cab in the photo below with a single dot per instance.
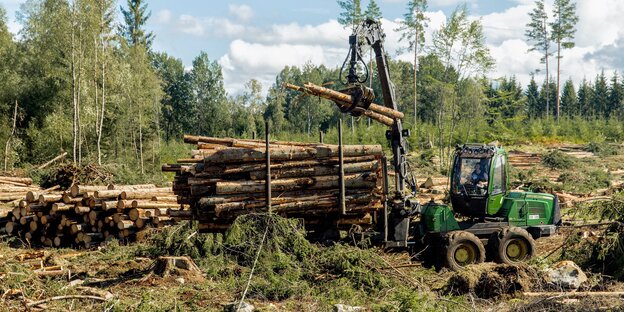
479 177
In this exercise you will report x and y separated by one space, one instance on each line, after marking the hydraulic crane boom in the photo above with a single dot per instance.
373 36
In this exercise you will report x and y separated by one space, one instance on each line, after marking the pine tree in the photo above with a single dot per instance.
533 99
569 101
563 30
135 18
548 94
373 11
412 30
584 96
616 96
600 95
351 14
537 33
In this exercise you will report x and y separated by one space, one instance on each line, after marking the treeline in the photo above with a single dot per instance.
73 80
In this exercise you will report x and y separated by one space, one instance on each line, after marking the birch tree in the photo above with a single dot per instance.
412 30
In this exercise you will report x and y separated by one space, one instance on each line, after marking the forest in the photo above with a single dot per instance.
75 80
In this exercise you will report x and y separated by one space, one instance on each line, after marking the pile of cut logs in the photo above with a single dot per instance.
14 188
85 215
226 178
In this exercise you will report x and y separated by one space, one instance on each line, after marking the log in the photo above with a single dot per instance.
57 207
193 139
130 187
343 98
182 214
288 153
27 181
147 194
174 168
81 210
12 197
149 204
171 199
78 189
324 182
68 199
316 171
52 161
112 194
125 224
388 121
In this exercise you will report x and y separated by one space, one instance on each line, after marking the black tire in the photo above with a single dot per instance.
462 249
512 245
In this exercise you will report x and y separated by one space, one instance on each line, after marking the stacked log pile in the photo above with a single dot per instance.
14 188
226 178
524 161
85 215
433 188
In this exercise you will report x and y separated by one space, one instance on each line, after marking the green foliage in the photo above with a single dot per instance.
135 17
413 24
603 148
584 181
605 253
373 11
460 42
556 159
288 266
351 14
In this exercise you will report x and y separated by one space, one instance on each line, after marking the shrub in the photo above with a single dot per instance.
556 159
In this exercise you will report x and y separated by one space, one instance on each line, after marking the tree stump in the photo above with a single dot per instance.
166 266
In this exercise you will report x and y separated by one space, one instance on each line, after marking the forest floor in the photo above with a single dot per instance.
300 276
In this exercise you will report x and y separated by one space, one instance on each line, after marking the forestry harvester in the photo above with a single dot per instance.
485 220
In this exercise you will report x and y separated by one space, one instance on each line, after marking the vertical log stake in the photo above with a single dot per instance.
268 168
384 166
343 207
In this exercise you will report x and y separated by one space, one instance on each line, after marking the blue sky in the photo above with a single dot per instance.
256 39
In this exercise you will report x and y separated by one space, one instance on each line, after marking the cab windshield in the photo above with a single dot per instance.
470 176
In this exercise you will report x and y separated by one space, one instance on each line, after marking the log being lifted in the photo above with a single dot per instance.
345 100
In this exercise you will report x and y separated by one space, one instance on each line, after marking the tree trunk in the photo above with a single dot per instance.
141 143
8 142
558 77
73 69
415 77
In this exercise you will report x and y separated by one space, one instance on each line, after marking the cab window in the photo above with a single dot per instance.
498 175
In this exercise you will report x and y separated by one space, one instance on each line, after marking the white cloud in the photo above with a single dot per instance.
163 17
506 25
600 22
209 26
328 33
262 52
241 12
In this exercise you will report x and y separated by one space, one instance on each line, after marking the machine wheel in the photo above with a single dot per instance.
462 248
512 246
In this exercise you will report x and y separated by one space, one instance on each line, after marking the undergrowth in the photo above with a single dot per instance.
289 267
600 251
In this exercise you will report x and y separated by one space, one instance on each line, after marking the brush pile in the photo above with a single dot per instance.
85 215
226 178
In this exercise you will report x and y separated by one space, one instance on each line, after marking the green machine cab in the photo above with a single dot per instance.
487 219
